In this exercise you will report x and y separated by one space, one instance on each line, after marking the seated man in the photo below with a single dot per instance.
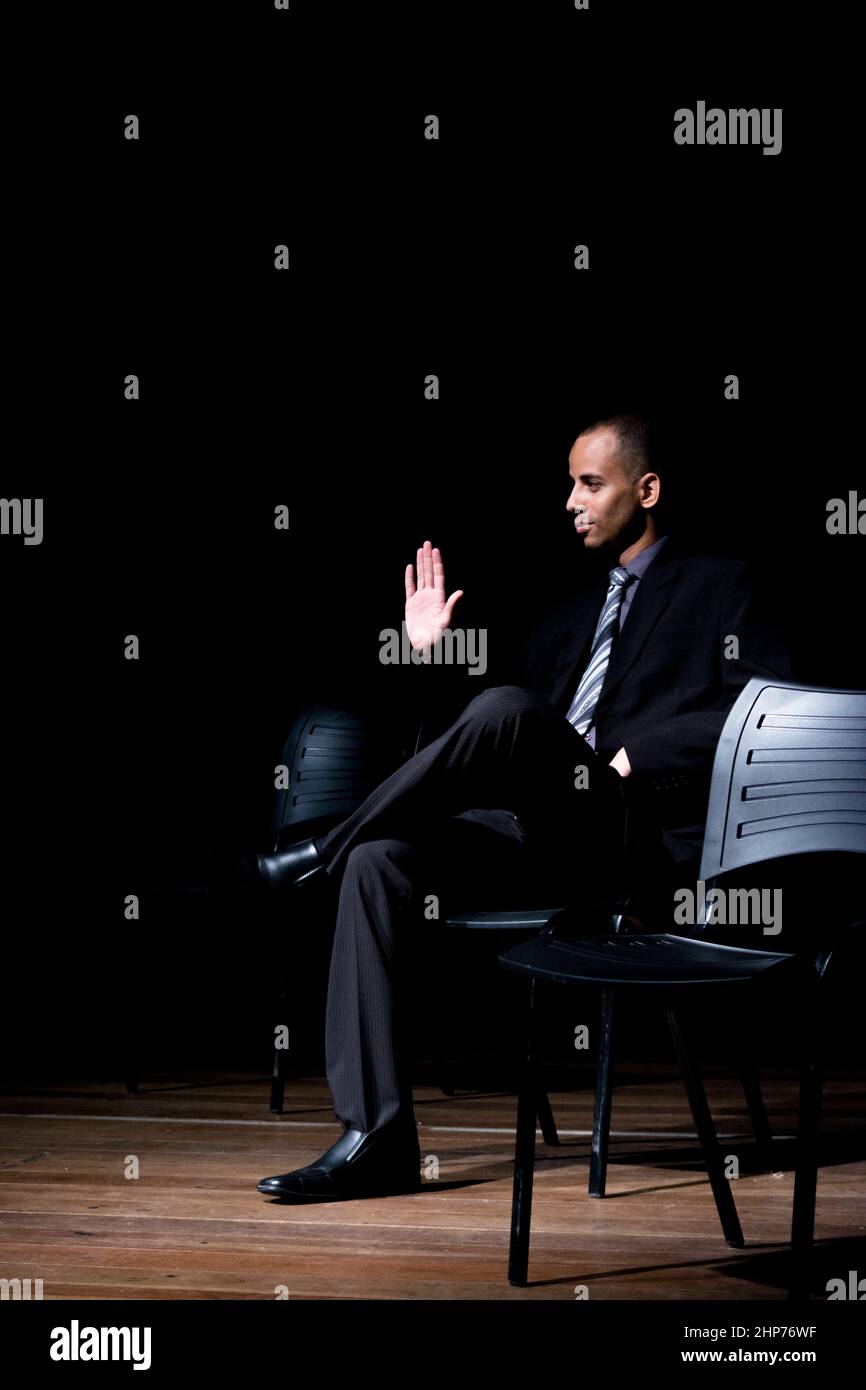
633 679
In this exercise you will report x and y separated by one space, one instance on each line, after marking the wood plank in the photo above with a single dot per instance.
192 1225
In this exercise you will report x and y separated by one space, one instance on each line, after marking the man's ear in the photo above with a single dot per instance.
651 487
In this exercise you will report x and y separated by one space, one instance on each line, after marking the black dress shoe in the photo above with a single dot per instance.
372 1163
296 864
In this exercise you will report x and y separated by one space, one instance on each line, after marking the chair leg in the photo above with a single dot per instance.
757 1113
528 1104
524 1170
278 1083
278 1077
603 1096
545 1119
706 1135
806 1173
748 1075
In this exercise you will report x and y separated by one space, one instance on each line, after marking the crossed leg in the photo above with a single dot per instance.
418 837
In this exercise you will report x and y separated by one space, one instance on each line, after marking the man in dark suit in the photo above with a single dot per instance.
618 696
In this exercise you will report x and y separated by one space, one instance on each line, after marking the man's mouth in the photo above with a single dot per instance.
581 524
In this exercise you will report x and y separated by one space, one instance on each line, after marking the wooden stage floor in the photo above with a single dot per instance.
192 1226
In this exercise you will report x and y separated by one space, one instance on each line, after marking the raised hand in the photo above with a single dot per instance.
428 612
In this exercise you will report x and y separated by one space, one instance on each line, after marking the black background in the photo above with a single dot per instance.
306 388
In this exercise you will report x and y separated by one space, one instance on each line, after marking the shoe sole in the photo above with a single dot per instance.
398 1188
277 888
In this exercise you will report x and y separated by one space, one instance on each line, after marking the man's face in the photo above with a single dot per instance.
604 501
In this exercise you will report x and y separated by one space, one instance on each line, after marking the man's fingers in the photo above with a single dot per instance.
410 581
438 570
429 568
449 607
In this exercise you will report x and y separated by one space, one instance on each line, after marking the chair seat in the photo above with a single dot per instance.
651 959
497 921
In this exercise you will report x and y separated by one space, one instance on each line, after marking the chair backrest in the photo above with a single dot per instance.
334 759
789 777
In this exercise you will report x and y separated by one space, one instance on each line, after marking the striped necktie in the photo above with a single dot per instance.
582 707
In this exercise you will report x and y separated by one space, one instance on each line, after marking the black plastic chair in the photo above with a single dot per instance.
789 780
645 887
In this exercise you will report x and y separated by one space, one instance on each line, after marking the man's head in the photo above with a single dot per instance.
616 489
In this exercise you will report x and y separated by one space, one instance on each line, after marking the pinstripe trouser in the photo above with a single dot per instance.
438 827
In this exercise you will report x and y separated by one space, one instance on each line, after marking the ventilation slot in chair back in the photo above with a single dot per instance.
335 758
797 777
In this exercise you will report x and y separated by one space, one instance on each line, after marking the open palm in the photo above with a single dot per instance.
428 612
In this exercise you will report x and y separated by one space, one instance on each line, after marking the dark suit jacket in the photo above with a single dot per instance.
669 685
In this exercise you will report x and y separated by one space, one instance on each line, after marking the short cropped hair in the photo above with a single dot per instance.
636 436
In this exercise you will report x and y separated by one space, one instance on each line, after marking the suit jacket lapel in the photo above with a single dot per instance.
577 634
649 603
647 607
